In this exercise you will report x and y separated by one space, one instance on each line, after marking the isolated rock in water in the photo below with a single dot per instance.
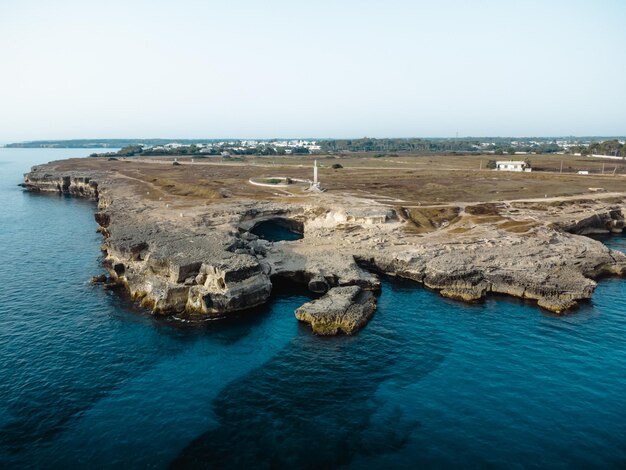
342 309
99 279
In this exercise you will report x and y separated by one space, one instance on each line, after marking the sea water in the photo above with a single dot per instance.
274 231
88 380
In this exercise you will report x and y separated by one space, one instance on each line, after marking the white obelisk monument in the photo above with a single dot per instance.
315 173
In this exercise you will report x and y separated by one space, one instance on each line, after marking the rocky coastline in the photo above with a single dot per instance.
201 260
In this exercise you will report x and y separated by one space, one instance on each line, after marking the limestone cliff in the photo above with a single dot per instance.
203 260
342 309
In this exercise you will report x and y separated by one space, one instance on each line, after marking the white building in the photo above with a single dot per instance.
512 166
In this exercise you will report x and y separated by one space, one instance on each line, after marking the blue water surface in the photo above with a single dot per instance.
87 380
274 231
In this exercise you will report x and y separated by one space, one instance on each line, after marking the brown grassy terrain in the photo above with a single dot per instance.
427 219
407 180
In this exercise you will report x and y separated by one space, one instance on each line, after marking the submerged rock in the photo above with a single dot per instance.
342 310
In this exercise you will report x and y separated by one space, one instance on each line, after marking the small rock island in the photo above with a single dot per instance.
180 238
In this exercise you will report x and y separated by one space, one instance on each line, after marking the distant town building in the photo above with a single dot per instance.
512 166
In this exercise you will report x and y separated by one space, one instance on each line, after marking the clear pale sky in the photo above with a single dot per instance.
185 69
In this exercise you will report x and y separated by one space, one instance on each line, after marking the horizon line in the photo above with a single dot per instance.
173 139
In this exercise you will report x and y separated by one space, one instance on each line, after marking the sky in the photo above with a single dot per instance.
264 69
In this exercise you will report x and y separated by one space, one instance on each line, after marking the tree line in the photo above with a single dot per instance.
497 145
611 147
397 145
194 150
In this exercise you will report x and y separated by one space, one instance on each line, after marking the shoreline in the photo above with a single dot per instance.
200 259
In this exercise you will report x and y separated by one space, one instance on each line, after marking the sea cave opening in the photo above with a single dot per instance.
278 229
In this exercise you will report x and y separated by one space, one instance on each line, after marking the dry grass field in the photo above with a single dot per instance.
406 180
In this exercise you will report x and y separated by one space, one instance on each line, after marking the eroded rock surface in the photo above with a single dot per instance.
200 259
342 309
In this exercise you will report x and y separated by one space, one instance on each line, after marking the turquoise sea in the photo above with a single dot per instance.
89 381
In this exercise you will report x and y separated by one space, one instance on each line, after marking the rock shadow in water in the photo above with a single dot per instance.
315 404
58 394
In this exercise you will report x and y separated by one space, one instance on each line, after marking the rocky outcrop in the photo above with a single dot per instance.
70 184
555 268
203 260
580 216
342 309
610 221
172 270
